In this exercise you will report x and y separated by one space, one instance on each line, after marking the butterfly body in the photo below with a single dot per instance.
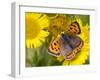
67 44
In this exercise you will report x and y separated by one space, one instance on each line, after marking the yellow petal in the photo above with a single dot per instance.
28 43
66 62
44 22
36 43
31 15
43 34
60 58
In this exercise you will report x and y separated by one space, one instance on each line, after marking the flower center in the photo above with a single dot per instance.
32 29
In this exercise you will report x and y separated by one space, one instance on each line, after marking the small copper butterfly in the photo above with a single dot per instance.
67 44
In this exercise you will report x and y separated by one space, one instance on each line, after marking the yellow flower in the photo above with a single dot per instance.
52 16
36 25
84 54
58 24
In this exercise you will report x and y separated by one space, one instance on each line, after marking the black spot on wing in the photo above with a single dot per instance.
70 27
55 44
76 26
52 47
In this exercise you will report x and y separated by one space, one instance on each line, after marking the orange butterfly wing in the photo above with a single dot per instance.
55 47
73 29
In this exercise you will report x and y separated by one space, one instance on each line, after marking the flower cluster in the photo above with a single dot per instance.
58 24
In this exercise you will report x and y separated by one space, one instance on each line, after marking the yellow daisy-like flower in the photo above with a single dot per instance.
36 25
84 54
